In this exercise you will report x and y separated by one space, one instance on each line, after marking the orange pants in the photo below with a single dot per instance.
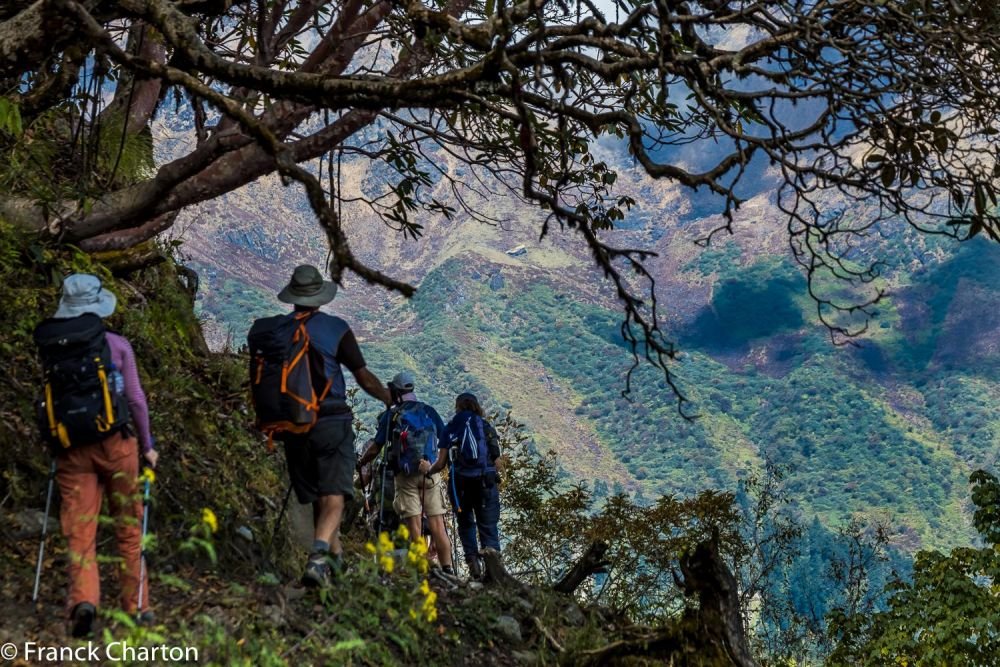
84 474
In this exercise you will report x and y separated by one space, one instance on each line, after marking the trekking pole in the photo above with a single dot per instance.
281 515
45 531
454 542
381 498
456 508
142 542
365 487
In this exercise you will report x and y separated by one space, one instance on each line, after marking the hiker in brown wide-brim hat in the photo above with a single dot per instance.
307 288
297 380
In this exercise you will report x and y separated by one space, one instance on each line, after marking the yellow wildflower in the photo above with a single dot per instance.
425 587
420 547
370 548
208 518
147 475
413 614
403 532
384 543
387 563
429 608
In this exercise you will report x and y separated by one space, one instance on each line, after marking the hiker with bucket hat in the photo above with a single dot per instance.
93 400
319 442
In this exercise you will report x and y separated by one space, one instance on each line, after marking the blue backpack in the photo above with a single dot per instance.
473 452
413 438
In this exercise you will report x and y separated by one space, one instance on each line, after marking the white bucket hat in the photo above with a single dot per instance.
83 293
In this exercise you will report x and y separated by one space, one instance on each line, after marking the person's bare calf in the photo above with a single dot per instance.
328 511
415 525
435 525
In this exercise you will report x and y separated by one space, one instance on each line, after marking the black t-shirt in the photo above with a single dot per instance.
349 354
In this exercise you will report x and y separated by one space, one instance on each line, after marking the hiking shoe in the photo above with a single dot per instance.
83 619
475 569
318 573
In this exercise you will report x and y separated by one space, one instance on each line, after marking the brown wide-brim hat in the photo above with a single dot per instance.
307 288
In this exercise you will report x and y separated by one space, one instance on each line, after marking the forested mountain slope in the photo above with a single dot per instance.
889 425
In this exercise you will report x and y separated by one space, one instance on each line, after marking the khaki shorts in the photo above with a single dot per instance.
407 502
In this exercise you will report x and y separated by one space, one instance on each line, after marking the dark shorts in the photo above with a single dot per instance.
321 462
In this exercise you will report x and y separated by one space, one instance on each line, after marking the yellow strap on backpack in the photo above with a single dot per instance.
56 428
104 425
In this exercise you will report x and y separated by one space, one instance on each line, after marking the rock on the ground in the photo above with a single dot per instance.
31 521
294 592
524 657
508 628
574 615
274 615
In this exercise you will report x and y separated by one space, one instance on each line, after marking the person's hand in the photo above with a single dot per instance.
151 456
425 466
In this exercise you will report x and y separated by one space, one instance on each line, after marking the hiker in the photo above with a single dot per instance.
414 433
473 489
92 389
320 452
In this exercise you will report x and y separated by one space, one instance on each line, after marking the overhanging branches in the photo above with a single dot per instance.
892 104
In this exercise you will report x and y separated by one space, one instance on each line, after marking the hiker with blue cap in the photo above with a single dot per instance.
416 454
300 398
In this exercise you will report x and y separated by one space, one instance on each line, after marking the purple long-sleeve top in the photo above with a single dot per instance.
124 359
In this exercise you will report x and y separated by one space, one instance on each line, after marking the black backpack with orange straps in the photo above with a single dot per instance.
286 381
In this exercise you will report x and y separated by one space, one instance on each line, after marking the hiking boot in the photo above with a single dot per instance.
318 573
83 620
475 569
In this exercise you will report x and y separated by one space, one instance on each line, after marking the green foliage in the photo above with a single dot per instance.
848 444
10 117
48 161
823 427
948 614
549 526
760 303
952 296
